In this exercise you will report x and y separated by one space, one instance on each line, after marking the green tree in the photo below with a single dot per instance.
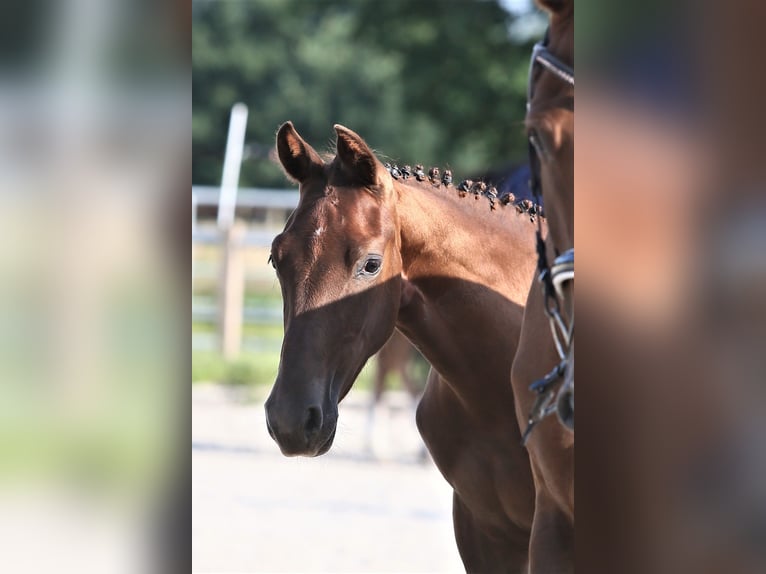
436 82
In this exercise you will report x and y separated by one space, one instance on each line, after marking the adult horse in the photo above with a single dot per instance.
370 248
545 359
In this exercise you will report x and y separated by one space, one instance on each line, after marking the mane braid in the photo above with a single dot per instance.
477 189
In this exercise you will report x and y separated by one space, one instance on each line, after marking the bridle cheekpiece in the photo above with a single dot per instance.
551 277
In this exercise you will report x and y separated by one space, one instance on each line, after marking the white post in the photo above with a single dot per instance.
232 162
232 290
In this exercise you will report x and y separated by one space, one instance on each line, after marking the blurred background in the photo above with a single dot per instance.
94 139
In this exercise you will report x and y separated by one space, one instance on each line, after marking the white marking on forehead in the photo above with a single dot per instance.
319 230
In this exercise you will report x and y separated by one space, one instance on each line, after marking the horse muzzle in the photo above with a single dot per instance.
301 430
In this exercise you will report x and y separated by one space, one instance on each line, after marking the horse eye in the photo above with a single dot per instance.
372 266
271 261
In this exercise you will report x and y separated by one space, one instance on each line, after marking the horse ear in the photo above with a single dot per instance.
356 157
297 157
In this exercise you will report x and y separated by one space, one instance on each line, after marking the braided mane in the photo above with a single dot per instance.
477 189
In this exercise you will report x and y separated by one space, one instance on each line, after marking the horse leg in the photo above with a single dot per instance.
408 383
480 551
551 545
414 392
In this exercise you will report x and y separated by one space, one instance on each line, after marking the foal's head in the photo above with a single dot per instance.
339 268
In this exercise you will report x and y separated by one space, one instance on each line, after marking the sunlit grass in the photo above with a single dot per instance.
251 369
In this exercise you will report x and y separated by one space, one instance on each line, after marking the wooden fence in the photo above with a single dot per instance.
266 211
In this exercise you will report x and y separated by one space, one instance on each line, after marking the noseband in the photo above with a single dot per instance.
550 277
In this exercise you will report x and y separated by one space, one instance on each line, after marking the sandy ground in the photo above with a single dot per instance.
348 511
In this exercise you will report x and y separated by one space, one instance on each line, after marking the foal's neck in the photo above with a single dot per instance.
465 239
468 270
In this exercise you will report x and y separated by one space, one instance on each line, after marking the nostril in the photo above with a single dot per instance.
313 422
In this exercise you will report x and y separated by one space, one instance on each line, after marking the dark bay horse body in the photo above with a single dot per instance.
550 121
364 252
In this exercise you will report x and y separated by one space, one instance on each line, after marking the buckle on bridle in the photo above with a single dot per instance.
551 281
562 271
544 403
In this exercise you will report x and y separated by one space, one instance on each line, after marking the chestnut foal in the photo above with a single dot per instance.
371 248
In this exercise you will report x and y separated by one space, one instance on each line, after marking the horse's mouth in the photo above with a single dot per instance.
327 443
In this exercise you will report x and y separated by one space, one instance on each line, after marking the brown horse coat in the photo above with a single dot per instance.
363 253
551 445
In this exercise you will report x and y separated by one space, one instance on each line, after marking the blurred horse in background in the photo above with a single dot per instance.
373 247
397 357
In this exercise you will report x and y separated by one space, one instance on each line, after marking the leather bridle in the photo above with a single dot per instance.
550 277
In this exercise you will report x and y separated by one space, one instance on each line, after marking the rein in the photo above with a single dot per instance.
550 277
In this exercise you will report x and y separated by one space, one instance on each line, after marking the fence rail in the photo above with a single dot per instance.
249 197
252 237
283 200
228 312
